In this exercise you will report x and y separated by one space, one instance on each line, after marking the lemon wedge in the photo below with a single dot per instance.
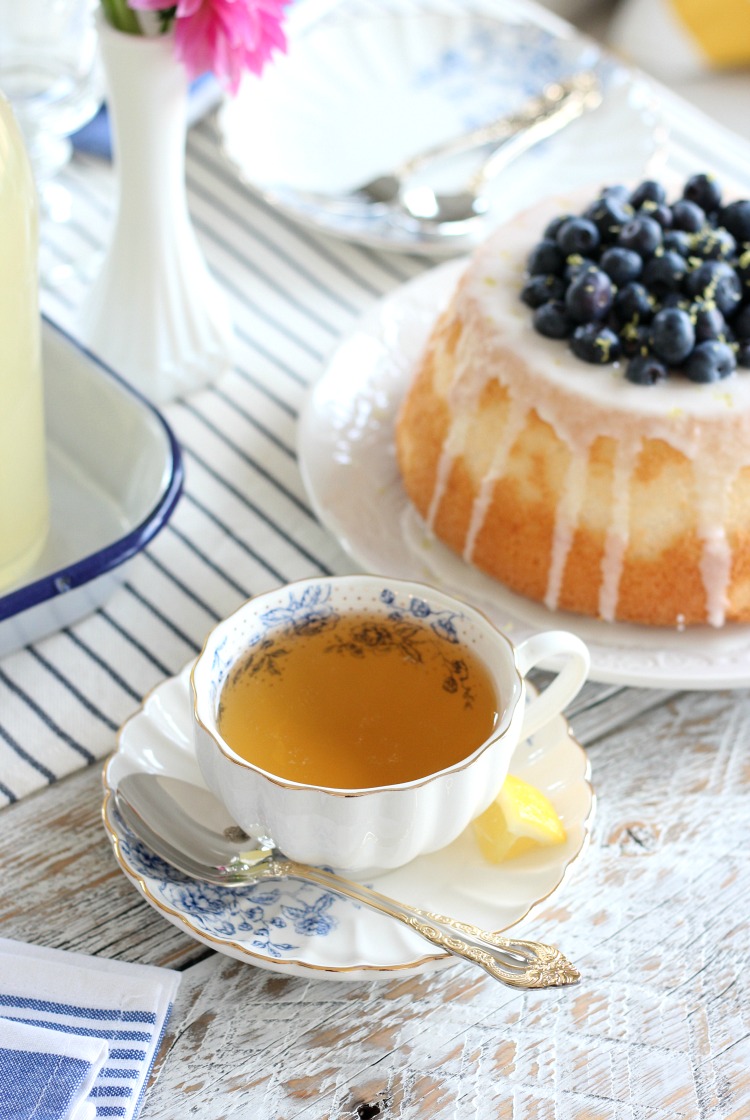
519 819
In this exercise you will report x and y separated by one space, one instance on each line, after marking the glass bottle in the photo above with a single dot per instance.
24 505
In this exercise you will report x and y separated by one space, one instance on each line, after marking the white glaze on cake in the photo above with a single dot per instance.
708 424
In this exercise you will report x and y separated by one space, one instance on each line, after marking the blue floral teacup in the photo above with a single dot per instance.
381 826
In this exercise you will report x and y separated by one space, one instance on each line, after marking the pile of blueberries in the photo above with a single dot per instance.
664 286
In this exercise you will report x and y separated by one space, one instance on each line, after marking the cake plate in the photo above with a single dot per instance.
348 462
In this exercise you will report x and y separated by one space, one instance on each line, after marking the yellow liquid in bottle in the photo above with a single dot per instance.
23 480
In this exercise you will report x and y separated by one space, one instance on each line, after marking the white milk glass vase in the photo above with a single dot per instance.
154 313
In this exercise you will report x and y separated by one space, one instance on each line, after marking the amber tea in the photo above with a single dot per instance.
363 701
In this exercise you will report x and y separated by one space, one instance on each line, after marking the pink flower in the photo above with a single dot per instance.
224 36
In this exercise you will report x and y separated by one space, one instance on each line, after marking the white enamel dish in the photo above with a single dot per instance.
297 928
115 474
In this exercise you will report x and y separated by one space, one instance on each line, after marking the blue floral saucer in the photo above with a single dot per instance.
299 929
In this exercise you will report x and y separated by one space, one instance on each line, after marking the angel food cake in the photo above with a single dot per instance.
579 425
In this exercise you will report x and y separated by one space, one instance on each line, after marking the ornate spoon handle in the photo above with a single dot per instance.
558 99
520 964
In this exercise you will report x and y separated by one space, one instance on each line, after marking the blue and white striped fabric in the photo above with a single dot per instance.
45 1074
78 1035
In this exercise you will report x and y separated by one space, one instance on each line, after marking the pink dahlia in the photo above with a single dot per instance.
223 36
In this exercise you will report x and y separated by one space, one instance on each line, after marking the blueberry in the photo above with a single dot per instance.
546 259
650 190
633 303
704 190
688 216
675 299
645 369
659 211
589 296
595 343
621 265
553 226
678 241
672 335
641 234
741 323
710 361
742 267
551 320
715 282
578 235
539 289
609 215
736 218
664 273
709 323
714 244
634 339
576 264
743 354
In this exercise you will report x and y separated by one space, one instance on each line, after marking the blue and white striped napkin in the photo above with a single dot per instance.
78 1034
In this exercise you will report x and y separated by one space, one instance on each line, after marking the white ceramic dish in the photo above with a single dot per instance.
357 94
115 474
299 929
347 459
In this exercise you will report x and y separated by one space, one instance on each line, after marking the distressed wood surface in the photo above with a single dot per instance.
656 915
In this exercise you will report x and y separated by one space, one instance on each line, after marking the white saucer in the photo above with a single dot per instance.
360 92
301 930
347 458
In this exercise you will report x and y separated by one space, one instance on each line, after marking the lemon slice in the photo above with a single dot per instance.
519 819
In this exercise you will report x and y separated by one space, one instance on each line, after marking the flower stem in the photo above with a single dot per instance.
121 16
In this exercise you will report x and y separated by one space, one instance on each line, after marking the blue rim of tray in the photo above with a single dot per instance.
112 555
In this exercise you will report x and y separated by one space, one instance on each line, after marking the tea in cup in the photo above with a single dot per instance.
361 721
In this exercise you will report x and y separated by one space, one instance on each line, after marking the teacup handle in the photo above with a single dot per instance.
568 682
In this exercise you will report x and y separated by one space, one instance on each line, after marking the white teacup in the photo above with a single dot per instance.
386 826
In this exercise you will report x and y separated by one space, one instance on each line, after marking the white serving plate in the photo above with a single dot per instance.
360 92
348 462
115 473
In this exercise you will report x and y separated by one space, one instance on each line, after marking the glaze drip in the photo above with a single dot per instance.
616 542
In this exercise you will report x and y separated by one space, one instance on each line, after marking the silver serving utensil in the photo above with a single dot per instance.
539 117
447 213
226 856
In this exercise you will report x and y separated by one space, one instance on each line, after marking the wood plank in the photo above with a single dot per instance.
68 891
601 708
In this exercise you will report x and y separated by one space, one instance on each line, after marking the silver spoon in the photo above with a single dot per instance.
557 105
449 213
221 856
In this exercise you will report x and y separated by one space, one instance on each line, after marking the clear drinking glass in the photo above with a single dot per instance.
50 73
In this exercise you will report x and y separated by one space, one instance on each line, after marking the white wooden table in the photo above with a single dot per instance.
655 914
